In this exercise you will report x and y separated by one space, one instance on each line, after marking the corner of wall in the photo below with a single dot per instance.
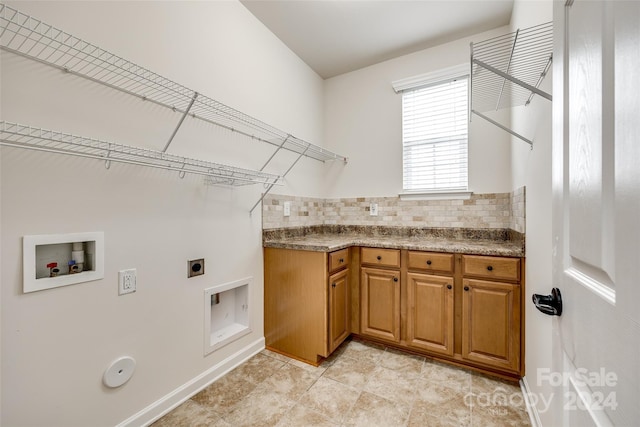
517 199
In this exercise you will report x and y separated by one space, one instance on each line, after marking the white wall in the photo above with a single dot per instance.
532 168
363 121
57 343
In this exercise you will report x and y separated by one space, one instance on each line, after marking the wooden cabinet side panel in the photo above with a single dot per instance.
354 286
457 304
296 302
523 295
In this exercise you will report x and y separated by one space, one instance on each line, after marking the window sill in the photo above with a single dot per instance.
436 195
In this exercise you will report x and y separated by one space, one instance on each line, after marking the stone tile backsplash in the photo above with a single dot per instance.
517 198
492 211
305 211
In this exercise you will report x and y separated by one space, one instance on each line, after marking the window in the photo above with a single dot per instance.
434 136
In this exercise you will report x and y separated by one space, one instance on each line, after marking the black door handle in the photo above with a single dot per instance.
549 304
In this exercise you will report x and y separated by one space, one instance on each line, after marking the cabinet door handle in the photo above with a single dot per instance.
333 285
395 279
490 268
466 288
341 260
449 286
428 262
378 257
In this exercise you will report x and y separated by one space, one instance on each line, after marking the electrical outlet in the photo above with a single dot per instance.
126 281
287 208
373 209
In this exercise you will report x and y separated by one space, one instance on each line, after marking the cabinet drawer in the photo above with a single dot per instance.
491 267
338 260
430 261
381 257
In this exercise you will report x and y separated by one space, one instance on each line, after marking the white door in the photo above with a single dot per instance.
596 213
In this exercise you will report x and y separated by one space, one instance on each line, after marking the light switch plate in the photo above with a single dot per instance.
373 209
287 208
127 281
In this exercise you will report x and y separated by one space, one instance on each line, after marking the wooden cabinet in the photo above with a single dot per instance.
466 309
381 257
338 260
430 313
305 316
491 267
491 325
431 262
380 293
463 308
339 309
380 303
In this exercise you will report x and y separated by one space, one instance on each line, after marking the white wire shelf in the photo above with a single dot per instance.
524 55
506 71
32 138
32 38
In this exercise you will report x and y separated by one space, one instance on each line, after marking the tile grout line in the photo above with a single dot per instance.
382 358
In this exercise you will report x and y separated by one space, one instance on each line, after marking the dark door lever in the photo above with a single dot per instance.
549 304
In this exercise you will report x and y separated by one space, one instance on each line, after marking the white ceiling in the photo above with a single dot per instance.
337 36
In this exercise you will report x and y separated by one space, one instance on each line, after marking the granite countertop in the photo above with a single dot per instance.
468 241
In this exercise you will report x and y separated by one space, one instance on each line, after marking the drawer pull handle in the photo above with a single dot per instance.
490 268
429 262
378 257
449 286
466 288
341 260
395 279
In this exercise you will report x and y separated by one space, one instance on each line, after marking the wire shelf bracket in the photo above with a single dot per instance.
271 185
506 71
29 37
184 116
32 138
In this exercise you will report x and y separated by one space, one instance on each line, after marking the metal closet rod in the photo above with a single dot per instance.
32 38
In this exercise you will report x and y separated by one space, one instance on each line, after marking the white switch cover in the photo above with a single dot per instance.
287 208
373 209
126 281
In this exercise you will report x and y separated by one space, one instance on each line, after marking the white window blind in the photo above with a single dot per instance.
434 136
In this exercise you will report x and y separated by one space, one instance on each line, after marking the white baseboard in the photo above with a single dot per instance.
534 416
172 400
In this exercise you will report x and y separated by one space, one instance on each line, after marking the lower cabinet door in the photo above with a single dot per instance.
338 308
430 313
491 323
380 303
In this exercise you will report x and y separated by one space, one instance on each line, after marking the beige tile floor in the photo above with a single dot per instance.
361 384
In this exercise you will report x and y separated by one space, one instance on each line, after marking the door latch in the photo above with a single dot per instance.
549 304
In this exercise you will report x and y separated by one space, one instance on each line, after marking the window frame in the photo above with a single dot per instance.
423 81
